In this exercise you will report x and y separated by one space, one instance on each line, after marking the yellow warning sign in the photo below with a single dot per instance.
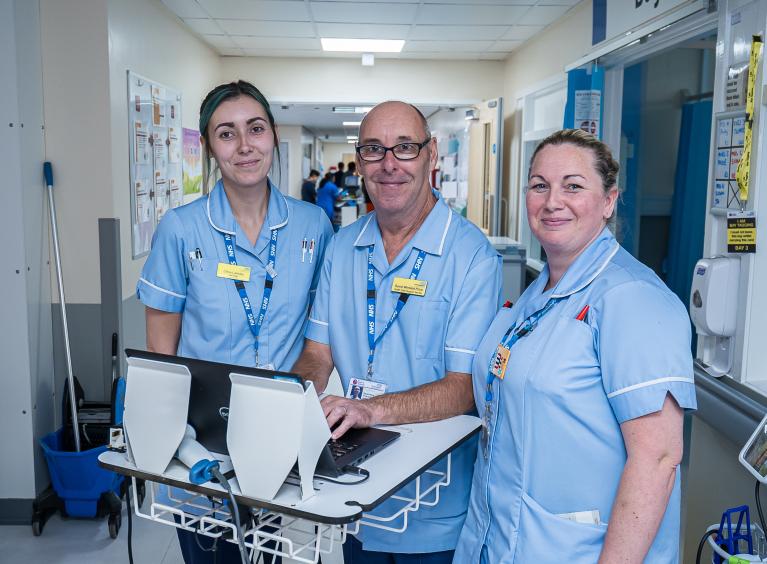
741 232
744 166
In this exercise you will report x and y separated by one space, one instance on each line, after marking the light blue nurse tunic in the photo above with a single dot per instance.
435 333
555 442
176 278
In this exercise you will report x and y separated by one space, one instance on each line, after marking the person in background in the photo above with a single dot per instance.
338 180
309 187
415 367
191 309
327 194
581 386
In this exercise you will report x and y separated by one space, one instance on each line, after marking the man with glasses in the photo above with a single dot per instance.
405 295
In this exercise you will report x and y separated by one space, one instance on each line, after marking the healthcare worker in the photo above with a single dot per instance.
405 295
231 276
581 386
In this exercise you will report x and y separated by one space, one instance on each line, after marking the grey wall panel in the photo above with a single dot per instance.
111 291
134 326
87 351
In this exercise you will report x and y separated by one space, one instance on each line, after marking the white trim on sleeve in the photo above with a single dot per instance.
650 383
163 290
318 322
454 349
444 233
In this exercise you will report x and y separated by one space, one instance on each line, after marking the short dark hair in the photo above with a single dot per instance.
314 173
213 100
340 166
351 167
604 163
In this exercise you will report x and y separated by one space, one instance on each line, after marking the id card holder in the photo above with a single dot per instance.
360 388
500 360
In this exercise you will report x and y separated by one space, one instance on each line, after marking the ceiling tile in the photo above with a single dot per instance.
522 32
271 10
267 29
273 43
464 55
457 32
367 12
543 15
185 8
363 31
203 26
504 46
220 41
231 51
447 46
470 15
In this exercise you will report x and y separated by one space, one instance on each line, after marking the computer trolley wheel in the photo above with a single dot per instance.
37 526
115 520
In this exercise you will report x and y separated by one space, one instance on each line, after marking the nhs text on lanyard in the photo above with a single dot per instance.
254 322
401 301
499 360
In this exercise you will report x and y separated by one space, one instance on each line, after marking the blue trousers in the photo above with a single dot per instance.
353 554
226 552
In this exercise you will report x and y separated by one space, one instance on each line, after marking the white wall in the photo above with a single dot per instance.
347 81
77 134
292 134
145 38
334 153
539 59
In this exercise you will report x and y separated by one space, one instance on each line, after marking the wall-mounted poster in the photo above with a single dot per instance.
192 175
154 117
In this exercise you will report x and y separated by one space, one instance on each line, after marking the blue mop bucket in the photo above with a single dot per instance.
76 476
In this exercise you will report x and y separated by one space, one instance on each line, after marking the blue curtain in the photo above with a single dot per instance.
688 211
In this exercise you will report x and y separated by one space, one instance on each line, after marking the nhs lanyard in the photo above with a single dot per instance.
401 301
253 322
509 339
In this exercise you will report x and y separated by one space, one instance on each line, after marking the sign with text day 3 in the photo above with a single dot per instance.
625 15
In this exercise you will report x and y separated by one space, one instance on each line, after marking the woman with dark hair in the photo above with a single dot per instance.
244 243
581 386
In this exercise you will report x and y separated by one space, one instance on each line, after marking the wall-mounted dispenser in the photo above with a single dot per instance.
713 309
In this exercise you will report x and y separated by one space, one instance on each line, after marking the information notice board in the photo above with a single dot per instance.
154 123
730 129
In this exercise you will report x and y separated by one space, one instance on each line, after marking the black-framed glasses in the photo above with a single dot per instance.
401 151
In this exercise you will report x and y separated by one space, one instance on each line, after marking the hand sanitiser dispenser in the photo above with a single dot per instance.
713 309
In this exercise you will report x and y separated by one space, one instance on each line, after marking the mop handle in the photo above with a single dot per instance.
48 173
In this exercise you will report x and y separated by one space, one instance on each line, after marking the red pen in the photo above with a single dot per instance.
507 304
582 315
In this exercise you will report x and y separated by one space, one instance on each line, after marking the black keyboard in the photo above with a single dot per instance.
339 448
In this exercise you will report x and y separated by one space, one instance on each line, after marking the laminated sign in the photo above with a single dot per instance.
741 232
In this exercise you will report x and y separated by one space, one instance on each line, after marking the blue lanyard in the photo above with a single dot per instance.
512 336
401 301
254 322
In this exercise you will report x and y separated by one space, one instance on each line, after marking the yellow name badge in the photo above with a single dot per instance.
408 286
233 272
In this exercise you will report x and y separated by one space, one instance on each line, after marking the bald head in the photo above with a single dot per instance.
400 109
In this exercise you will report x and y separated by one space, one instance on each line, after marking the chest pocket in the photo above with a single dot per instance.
432 329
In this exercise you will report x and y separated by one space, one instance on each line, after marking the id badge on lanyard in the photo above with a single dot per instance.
240 276
499 363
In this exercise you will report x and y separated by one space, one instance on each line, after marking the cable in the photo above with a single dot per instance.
702 543
130 523
759 506
349 469
235 510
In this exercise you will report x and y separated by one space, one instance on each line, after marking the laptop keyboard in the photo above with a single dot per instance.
340 448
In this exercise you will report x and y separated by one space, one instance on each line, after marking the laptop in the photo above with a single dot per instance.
209 410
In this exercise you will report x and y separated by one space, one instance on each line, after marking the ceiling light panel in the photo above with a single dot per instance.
267 29
458 32
272 10
361 13
470 15
352 123
363 31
